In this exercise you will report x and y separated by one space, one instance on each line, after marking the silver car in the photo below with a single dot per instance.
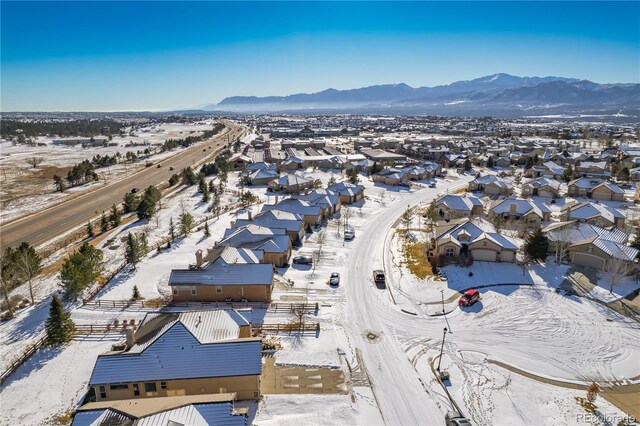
334 280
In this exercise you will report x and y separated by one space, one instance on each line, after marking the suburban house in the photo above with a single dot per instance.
390 176
291 184
548 169
526 211
260 176
239 161
182 353
348 192
475 238
587 244
328 201
292 162
543 187
597 189
274 243
490 185
383 157
224 274
454 206
594 213
311 215
292 223
193 410
592 169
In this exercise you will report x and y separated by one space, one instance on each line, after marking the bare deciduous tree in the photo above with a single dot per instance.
562 241
616 272
35 161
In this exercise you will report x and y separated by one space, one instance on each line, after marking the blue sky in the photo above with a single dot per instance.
115 56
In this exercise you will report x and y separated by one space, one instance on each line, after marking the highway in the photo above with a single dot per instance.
44 226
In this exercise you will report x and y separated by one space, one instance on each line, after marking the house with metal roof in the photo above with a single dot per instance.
192 410
490 185
472 239
595 213
453 206
328 201
225 274
182 353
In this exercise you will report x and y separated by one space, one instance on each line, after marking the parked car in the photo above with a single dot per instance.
349 235
432 185
171 168
159 165
469 297
405 184
134 190
334 280
303 260
453 418
378 276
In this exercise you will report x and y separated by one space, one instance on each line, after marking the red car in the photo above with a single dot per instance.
469 297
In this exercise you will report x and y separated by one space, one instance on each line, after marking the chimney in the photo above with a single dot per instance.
513 208
250 215
131 337
198 258
277 199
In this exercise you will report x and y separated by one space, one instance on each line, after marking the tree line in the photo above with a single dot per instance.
83 127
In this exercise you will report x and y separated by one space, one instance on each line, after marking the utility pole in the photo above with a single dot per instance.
441 348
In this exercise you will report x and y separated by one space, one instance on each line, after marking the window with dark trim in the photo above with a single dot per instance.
136 389
150 387
118 387
103 392
163 385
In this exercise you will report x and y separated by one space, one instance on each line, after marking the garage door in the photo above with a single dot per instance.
586 259
546 193
601 196
484 255
506 256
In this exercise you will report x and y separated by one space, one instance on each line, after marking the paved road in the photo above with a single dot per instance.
44 226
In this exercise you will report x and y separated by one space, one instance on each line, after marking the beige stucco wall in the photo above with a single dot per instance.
207 293
246 387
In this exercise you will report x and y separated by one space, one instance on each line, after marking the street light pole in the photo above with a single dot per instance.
441 348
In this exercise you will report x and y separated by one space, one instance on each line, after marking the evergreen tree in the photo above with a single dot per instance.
28 265
59 183
147 205
202 183
353 176
132 252
8 275
636 241
186 223
624 174
529 163
114 218
136 293
467 165
104 223
406 218
130 202
90 232
207 233
536 245
80 270
205 193
59 326
567 175
490 163
144 243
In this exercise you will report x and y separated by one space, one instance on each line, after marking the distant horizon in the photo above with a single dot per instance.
93 56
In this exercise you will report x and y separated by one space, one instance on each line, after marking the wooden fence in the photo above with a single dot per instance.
26 353
306 308
292 327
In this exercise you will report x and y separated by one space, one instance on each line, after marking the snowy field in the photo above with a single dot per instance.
26 189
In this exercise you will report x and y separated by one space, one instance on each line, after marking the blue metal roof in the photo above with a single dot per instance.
220 414
177 354
99 417
225 274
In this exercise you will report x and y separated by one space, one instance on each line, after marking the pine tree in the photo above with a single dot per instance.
130 202
636 241
205 193
59 326
80 270
529 163
186 223
567 175
136 293
467 164
536 245
90 232
490 162
624 174
207 233
104 223
114 218
132 250
406 218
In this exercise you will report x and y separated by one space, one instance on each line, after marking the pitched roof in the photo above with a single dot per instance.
224 274
576 231
523 206
473 230
179 355
543 181
591 210
459 202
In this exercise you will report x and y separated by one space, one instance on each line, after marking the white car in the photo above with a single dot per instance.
334 280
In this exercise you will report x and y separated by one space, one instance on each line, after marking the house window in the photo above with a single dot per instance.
150 387
136 389
193 291
118 387
163 385
103 392
175 291
218 289
448 252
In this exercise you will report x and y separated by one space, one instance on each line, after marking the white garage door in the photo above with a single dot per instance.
601 196
546 193
586 259
484 255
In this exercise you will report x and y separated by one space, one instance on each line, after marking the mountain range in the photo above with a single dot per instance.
489 95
